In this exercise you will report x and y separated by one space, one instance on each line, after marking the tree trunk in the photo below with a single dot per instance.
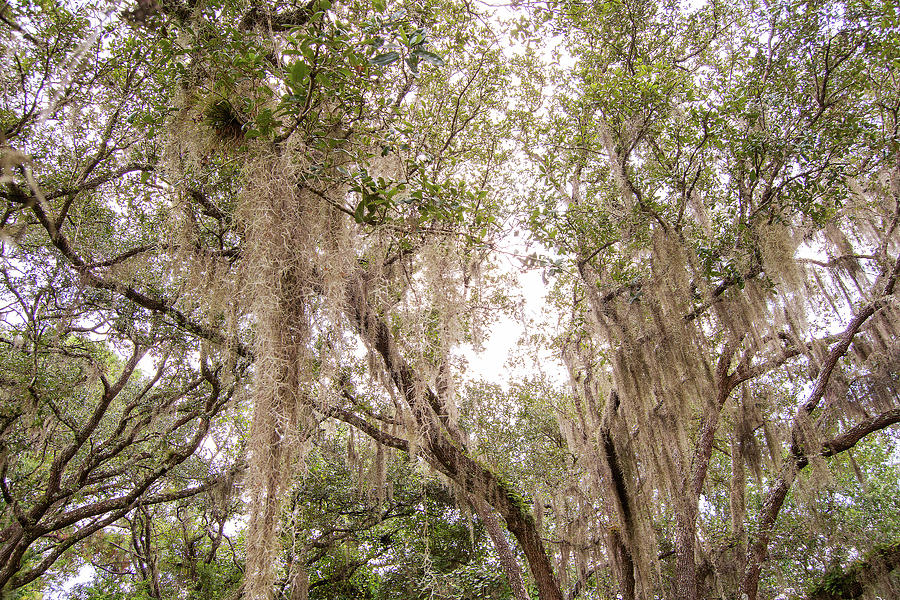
758 552
504 552
685 566
623 563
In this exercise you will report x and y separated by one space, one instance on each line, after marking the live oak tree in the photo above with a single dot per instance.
85 440
279 179
722 186
291 210
339 540
166 551
102 412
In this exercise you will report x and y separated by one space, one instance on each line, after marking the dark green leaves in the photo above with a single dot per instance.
377 198
385 59
395 39
428 57
297 73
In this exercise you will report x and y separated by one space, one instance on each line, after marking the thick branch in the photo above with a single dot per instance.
445 447
504 552
852 436
165 307
126 505
778 493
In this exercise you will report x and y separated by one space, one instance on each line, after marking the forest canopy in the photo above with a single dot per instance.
251 250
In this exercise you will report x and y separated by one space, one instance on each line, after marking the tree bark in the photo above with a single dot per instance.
623 563
760 547
685 565
504 552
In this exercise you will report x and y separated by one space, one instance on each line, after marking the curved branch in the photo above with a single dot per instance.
778 493
444 445
165 307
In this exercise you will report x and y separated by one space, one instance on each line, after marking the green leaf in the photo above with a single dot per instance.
417 38
427 56
385 59
297 73
379 5
360 212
